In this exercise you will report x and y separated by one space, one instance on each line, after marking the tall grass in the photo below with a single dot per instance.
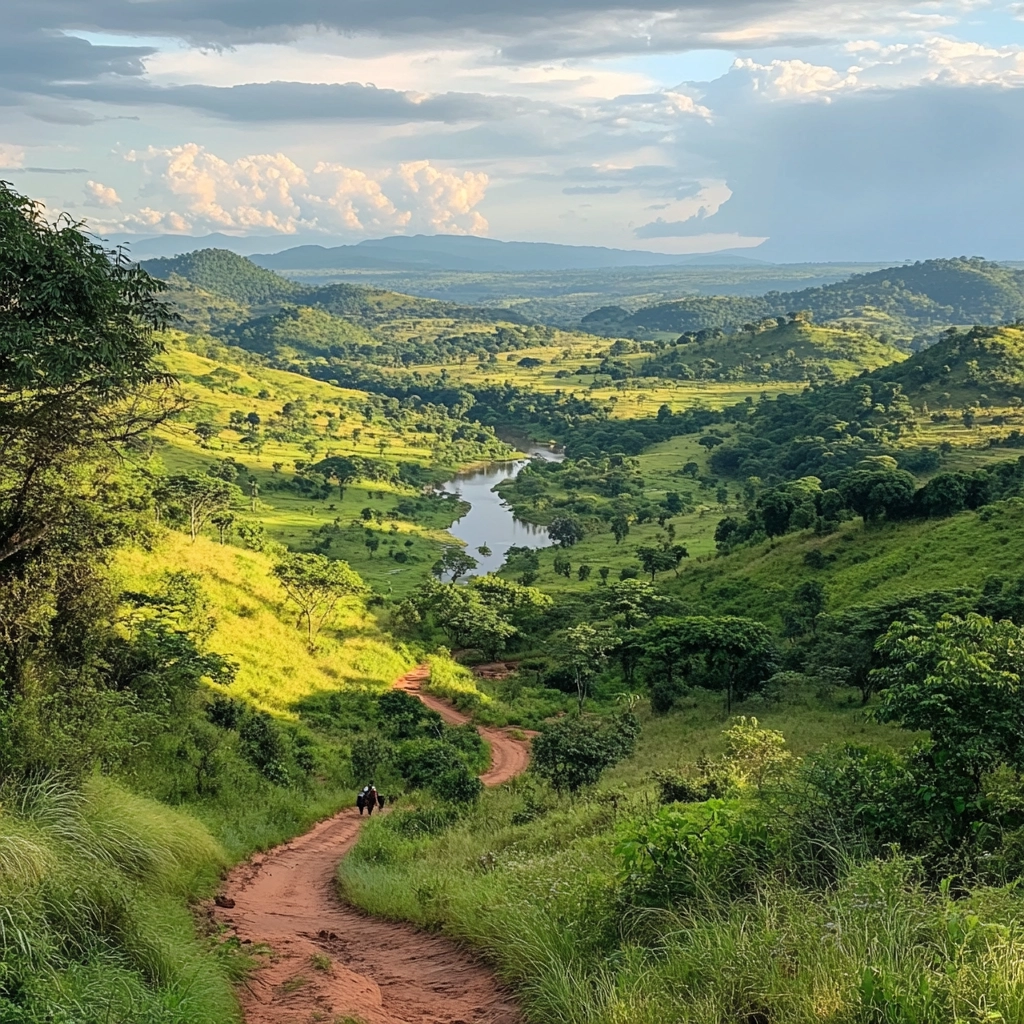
533 882
94 924
255 626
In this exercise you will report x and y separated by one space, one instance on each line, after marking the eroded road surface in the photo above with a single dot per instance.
331 961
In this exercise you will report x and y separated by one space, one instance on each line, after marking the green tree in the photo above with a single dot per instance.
199 498
620 528
574 752
566 530
584 650
316 584
583 573
562 565
655 560
959 680
454 562
876 495
78 376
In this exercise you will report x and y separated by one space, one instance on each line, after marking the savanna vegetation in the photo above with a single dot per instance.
771 650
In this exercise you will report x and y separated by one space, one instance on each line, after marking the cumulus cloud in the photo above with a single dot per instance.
200 191
101 195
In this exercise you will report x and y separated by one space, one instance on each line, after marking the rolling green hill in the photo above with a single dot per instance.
903 301
792 351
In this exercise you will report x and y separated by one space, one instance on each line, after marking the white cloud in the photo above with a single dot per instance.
794 79
11 157
102 195
200 191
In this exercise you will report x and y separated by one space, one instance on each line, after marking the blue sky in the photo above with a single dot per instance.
797 130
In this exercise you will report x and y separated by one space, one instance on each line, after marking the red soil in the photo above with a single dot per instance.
375 972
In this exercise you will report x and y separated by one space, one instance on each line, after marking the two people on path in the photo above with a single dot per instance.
369 799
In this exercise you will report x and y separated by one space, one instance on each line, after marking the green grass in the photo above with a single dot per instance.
532 882
93 893
868 565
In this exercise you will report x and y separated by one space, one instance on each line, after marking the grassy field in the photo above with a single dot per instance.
328 421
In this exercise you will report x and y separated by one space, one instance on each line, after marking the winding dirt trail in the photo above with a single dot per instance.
331 962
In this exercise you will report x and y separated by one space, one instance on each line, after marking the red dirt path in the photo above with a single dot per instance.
379 972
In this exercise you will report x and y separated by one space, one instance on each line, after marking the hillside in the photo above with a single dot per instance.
793 350
903 301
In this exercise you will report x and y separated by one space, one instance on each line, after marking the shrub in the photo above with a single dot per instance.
574 752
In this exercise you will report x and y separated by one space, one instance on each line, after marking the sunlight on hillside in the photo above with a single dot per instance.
257 627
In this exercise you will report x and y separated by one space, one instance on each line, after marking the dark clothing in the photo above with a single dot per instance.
360 803
380 801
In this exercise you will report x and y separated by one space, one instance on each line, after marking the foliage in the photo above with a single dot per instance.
316 584
574 752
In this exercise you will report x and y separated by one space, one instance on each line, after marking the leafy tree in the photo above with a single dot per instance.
603 572
876 495
673 502
316 584
372 543
204 431
583 652
583 573
223 521
632 602
620 528
340 469
78 377
655 560
729 653
562 565
959 680
370 757
574 752
455 562
400 713
566 530
199 498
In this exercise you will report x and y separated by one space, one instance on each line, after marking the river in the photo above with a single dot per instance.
489 521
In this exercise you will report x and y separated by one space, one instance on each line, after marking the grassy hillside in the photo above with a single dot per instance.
903 301
857 565
794 350
255 626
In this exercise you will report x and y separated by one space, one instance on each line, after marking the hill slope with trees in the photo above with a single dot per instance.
904 301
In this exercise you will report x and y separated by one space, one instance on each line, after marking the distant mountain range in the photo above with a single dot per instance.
458 253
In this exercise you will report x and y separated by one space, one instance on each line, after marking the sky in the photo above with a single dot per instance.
795 130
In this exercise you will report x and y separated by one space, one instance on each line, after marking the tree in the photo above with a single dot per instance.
454 562
562 565
340 469
875 495
583 652
253 422
223 521
372 543
199 498
574 752
730 653
673 502
603 572
316 584
960 680
808 604
78 376
620 528
583 573
205 431
566 530
655 560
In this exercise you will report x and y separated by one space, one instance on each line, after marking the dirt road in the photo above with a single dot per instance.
330 962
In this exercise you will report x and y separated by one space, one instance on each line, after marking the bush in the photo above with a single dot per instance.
575 751
458 786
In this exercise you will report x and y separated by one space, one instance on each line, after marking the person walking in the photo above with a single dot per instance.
361 799
371 799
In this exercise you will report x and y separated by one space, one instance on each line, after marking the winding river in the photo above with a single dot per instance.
489 521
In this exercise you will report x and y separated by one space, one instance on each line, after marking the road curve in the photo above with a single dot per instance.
330 961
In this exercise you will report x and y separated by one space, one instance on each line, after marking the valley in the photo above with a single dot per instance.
741 566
